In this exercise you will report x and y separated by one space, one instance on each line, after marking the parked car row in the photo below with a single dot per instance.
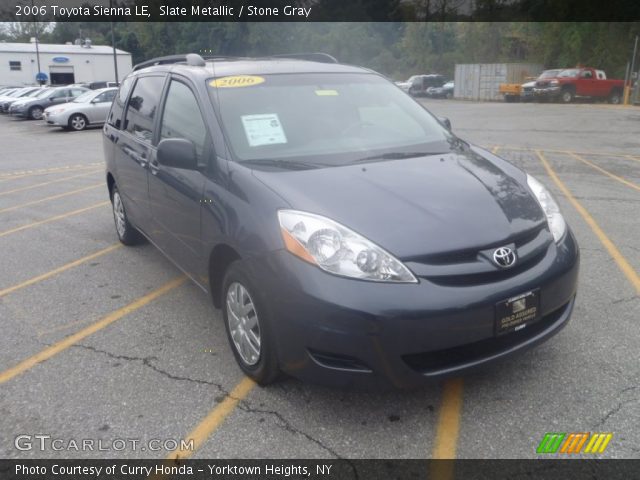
565 85
434 86
71 107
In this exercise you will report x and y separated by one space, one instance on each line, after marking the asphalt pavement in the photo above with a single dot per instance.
106 342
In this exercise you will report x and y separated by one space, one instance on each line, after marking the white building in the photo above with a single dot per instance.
62 64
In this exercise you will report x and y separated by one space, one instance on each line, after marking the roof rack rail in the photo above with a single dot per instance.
197 60
320 57
192 59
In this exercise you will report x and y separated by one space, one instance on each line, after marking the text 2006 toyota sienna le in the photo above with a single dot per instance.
347 235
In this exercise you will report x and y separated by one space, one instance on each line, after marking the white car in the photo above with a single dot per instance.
90 108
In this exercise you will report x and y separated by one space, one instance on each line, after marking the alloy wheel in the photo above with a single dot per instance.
244 325
78 122
118 215
36 113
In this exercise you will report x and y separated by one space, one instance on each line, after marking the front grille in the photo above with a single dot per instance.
475 267
431 362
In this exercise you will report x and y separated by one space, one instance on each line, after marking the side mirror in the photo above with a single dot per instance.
446 123
177 153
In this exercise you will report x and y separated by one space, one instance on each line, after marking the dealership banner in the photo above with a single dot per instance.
329 469
317 10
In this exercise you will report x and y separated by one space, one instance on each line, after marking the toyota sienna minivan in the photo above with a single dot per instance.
347 235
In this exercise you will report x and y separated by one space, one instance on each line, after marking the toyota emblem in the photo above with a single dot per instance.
504 257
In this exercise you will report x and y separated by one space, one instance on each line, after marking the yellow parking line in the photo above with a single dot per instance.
448 421
631 157
622 262
21 189
71 340
52 219
46 171
606 172
495 149
553 150
58 270
53 197
214 419
447 431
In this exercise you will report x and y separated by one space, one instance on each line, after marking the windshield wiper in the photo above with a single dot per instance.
397 156
285 164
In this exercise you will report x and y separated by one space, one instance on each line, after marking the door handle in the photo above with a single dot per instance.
138 158
153 167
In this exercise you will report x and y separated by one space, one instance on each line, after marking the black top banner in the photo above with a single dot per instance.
319 10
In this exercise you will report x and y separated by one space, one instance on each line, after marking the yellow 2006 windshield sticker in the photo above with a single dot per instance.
327 93
237 81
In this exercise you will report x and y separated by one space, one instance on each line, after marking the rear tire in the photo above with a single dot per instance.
615 98
127 233
248 326
35 113
78 122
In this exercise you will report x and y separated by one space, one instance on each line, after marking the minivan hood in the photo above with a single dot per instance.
418 206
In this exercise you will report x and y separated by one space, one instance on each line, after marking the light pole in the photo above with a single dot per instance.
113 43
35 23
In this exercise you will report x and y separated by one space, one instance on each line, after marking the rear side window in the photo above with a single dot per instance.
106 96
60 94
143 107
115 116
182 118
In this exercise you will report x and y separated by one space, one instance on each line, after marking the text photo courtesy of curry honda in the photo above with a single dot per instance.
355 248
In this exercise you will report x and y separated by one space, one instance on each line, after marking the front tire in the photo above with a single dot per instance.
35 113
567 96
78 122
248 326
127 234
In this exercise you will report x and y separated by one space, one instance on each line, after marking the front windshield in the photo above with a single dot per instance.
85 97
549 74
16 93
330 118
27 93
571 72
34 93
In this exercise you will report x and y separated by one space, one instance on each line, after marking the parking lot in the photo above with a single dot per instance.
102 341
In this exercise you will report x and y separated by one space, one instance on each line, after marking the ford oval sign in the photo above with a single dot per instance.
60 59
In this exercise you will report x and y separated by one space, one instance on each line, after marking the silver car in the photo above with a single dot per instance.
17 94
90 108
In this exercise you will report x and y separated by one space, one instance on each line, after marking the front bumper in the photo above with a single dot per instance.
546 92
345 332
56 119
18 111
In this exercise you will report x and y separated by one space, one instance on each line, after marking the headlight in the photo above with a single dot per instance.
554 82
556 222
339 250
54 112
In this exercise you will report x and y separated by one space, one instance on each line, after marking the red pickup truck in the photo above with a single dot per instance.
579 82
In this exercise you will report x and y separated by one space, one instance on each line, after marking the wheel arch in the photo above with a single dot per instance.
220 258
110 184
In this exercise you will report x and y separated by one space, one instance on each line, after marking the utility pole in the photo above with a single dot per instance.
113 43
